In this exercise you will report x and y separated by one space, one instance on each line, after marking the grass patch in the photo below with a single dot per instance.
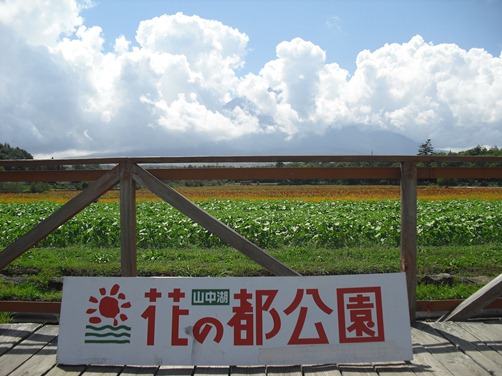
37 275
5 317
458 290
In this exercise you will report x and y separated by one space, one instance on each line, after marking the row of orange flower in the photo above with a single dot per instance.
279 192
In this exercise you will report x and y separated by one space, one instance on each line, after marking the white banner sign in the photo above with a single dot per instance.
234 321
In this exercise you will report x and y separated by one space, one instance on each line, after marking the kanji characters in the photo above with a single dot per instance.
321 338
257 316
360 315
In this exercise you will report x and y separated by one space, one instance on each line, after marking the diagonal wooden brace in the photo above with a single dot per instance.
213 225
476 302
59 217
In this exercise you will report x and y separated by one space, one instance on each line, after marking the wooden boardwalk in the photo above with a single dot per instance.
451 348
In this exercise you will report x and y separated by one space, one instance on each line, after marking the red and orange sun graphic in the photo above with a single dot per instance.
109 306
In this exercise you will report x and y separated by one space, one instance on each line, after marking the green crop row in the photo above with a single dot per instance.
269 224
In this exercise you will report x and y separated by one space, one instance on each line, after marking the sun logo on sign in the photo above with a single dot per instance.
109 305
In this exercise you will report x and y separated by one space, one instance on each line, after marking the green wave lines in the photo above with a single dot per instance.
114 328
108 341
107 333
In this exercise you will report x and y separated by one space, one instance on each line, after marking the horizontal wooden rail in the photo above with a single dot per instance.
251 159
51 176
263 173
247 173
459 172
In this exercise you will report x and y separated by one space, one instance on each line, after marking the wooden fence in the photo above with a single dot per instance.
149 172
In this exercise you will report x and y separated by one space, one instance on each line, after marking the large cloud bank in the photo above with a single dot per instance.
62 94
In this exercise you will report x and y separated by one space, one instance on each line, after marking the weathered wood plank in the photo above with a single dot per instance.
358 370
130 371
23 351
322 370
425 363
103 371
487 358
176 371
211 371
455 361
213 225
248 371
39 363
409 232
127 221
284 371
394 369
59 217
64 370
491 334
478 301
11 334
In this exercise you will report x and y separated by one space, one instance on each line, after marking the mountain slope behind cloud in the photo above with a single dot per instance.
347 140
344 141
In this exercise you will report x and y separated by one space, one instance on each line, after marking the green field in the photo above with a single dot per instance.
269 224
459 237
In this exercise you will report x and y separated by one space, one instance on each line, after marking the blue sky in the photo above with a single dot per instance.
342 28
122 77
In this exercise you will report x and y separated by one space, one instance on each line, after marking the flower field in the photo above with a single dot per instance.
270 216
277 192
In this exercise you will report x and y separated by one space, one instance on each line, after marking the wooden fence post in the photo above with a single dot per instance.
409 231
127 221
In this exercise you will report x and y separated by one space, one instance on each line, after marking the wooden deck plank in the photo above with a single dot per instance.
495 331
211 371
64 370
23 351
358 370
103 371
11 334
39 363
488 333
248 371
437 349
176 371
322 370
455 361
284 371
469 344
394 369
139 370
424 362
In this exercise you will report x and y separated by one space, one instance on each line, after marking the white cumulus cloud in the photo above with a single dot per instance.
61 92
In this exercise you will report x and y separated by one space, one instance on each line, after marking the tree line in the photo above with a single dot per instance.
10 152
